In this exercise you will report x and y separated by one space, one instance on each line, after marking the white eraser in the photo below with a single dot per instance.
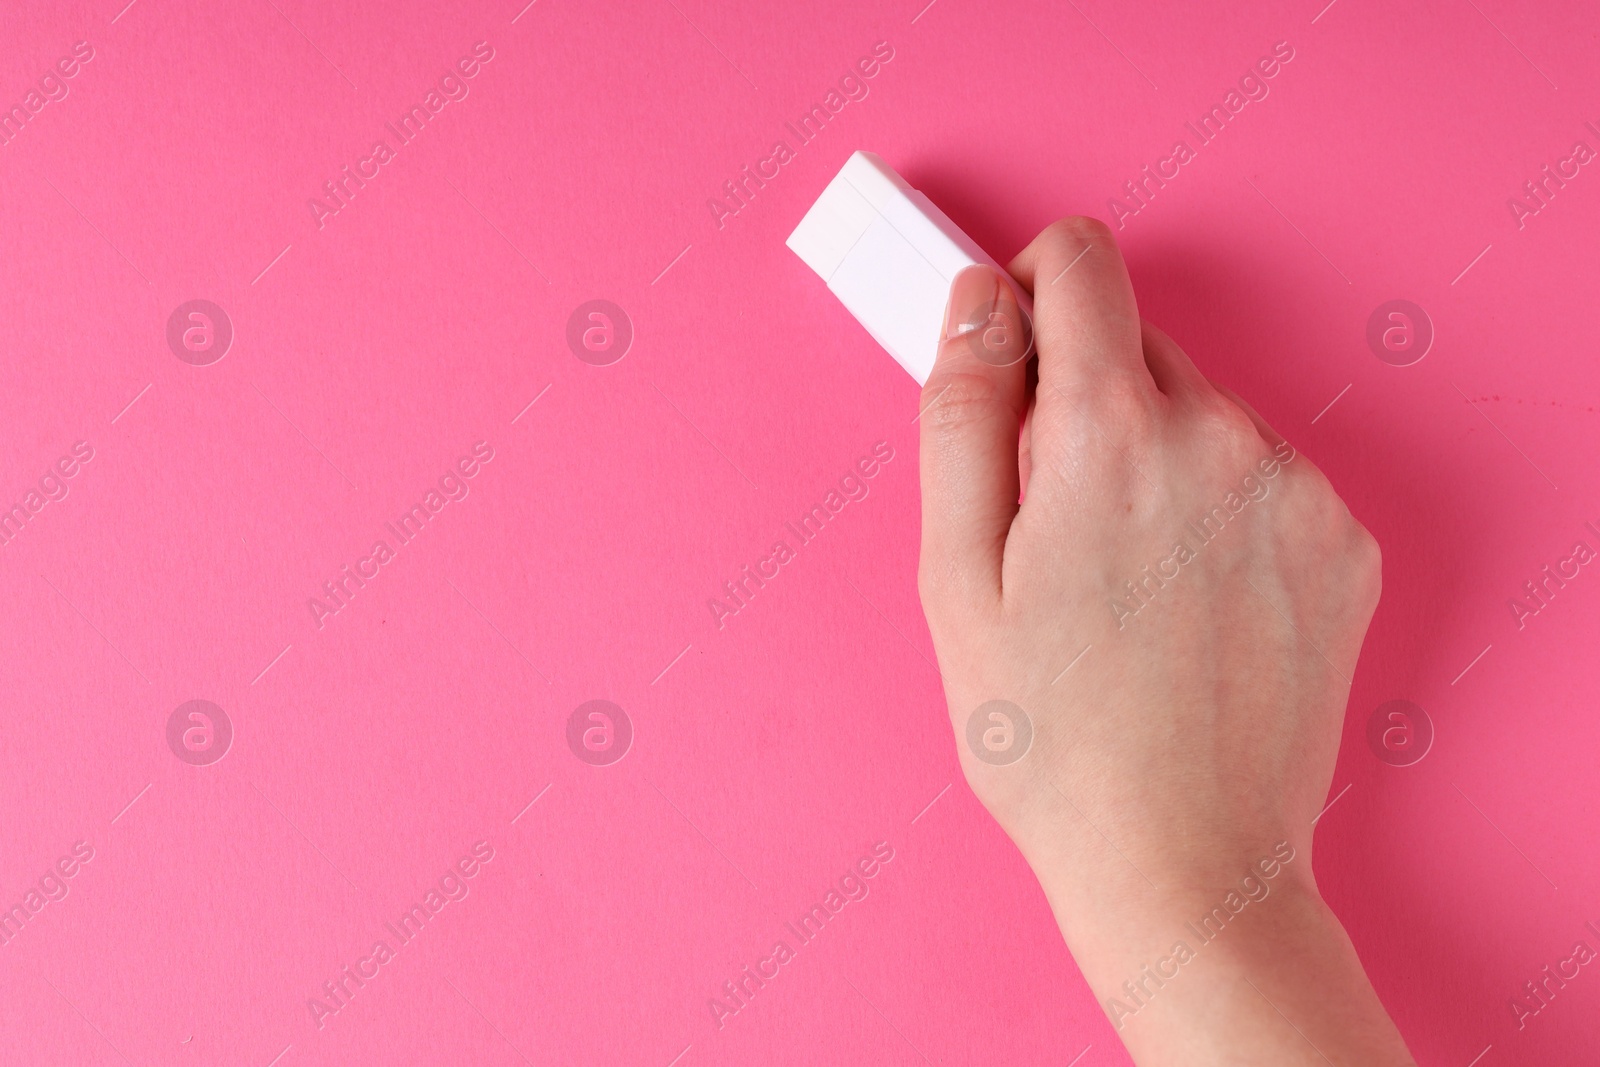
889 255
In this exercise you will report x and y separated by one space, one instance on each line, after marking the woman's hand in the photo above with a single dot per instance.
1147 660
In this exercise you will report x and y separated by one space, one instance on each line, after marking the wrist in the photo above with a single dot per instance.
1195 975
1104 881
1153 918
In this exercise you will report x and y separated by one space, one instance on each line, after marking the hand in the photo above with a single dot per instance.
1173 613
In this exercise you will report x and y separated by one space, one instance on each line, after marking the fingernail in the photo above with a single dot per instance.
983 309
971 292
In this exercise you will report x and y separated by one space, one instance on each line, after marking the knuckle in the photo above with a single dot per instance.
1366 557
1319 508
1226 432
1226 420
956 401
1078 229
1125 404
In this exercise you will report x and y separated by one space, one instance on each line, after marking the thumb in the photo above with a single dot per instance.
972 407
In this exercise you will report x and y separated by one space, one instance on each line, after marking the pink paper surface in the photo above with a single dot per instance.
373 747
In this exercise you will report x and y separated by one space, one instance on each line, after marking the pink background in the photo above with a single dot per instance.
371 753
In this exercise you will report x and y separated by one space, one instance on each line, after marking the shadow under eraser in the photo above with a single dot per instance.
889 255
